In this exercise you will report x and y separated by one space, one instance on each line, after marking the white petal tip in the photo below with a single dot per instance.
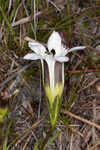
33 45
76 48
26 57
82 47
30 44
32 56
62 59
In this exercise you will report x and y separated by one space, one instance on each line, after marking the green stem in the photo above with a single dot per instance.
0 136
46 139
9 26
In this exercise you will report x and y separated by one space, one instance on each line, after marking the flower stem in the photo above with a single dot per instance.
46 139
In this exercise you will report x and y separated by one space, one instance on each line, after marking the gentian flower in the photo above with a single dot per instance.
52 56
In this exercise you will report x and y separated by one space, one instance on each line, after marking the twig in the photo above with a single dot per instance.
83 71
77 132
60 142
24 20
30 18
16 13
71 142
26 142
14 75
54 5
94 146
90 84
27 131
81 119
35 20
9 7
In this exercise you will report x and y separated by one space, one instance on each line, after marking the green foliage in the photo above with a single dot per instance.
51 140
3 112
4 6
98 12
86 23
9 26
6 136
36 146
30 73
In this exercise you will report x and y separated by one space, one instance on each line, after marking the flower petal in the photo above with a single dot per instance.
62 59
76 48
54 42
51 64
32 56
37 48
42 70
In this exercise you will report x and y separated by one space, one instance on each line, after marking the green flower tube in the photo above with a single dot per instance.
54 84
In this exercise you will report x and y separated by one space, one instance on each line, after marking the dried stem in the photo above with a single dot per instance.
81 119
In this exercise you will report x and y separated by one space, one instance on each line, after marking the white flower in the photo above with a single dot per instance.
52 53
52 57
